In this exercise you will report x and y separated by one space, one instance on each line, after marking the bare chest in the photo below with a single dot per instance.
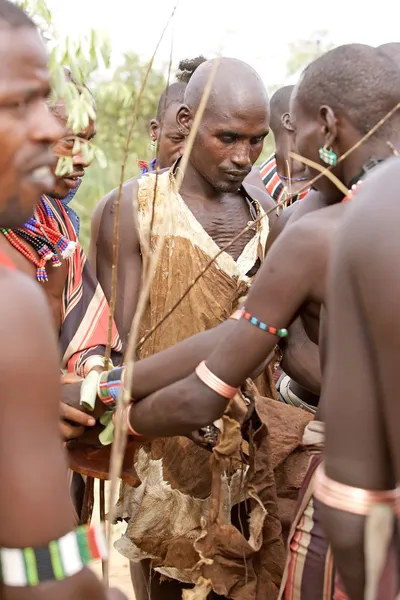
223 221
53 288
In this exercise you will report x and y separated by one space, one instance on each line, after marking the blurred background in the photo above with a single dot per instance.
277 38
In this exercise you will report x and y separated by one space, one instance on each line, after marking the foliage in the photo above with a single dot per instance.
302 52
115 100
83 57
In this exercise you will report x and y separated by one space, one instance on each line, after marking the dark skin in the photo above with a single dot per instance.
222 211
170 146
30 387
362 416
170 140
301 356
284 145
290 284
59 186
63 147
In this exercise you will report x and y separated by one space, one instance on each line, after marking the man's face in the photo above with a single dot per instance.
27 129
309 138
63 147
228 143
170 141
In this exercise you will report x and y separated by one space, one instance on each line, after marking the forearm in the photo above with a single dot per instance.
176 363
345 533
82 586
175 410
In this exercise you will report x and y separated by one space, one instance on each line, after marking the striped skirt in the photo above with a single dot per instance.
309 572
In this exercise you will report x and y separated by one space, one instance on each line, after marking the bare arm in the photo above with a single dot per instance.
35 505
359 400
129 260
273 298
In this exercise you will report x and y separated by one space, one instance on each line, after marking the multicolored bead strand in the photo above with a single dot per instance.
263 326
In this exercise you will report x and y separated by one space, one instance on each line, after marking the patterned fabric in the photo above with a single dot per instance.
57 560
309 572
84 308
273 184
74 217
145 166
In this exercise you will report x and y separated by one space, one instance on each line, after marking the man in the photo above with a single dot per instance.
164 133
30 388
67 185
362 416
212 207
281 175
165 136
292 279
72 291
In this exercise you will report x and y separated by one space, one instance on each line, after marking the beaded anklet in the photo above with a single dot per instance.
263 326
57 560
109 385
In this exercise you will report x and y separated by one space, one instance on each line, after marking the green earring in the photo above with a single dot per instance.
328 156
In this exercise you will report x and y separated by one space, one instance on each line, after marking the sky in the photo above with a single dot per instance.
256 31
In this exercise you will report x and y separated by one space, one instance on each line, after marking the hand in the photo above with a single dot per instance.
73 422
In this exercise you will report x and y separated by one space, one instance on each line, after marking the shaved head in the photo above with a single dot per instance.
356 81
234 80
279 105
391 50
235 123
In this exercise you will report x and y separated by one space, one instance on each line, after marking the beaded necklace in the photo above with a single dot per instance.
42 233
352 191
291 178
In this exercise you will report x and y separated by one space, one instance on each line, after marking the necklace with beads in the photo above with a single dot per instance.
42 233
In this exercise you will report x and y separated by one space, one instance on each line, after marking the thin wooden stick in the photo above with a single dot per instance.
114 269
310 163
164 109
120 432
324 171
102 503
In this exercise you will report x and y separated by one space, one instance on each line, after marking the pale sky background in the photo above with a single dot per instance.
256 31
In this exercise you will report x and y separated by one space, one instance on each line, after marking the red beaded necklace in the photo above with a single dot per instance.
43 234
352 191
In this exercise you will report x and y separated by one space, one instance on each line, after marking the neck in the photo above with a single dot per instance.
194 184
359 160
285 164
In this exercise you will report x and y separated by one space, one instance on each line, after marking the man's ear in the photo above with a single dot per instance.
285 120
329 123
184 120
154 129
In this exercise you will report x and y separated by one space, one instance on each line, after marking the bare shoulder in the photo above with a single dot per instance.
105 214
306 238
24 322
313 201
